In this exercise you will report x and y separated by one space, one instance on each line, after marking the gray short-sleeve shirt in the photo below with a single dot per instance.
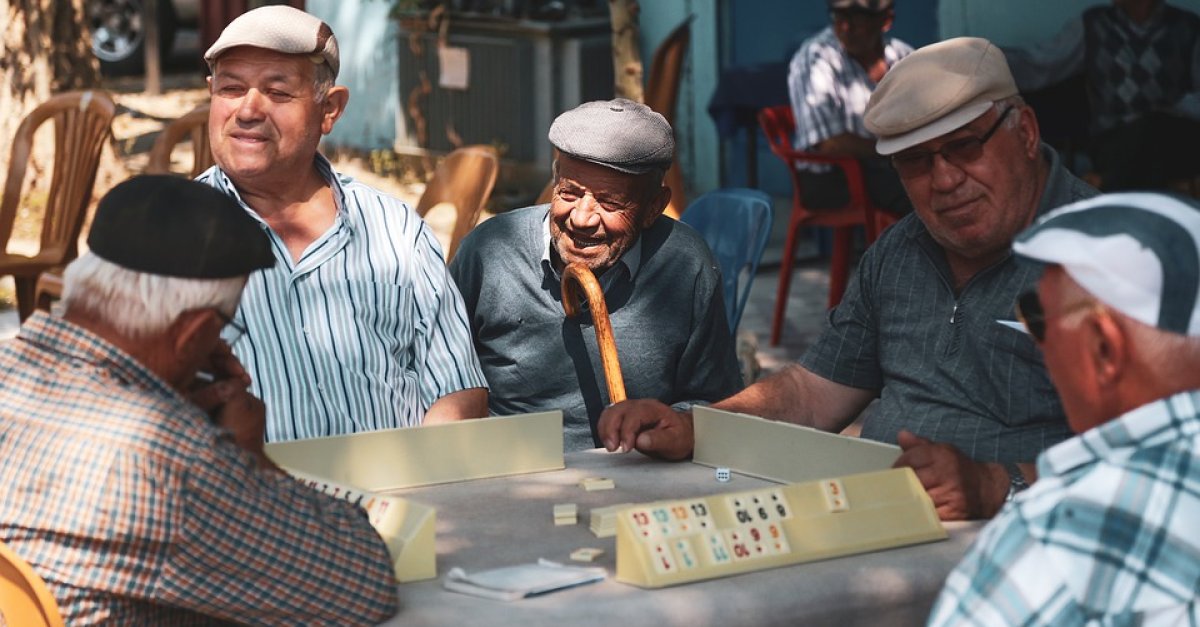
944 366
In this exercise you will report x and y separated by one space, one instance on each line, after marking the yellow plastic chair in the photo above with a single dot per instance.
25 601
464 179
82 123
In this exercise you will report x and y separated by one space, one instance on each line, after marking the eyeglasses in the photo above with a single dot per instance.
959 152
1033 316
233 330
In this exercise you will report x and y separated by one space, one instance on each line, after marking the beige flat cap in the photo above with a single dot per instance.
282 29
935 90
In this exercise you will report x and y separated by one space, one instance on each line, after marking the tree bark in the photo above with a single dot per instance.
627 56
47 49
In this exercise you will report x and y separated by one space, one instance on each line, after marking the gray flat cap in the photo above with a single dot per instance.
171 226
621 134
282 29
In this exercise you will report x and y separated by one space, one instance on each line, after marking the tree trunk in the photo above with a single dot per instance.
627 56
47 49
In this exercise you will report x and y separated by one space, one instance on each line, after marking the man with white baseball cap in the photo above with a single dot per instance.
1108 534
926 323
358 326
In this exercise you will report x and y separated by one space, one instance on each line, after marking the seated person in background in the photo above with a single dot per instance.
1141 62
661 284
138 491
358 326
830 79
1109 534
922 327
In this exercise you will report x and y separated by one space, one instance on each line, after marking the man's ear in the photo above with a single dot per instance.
658 203
1107 349
888 20
193 329
1029 132
334 106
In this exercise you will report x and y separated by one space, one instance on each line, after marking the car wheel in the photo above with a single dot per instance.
118 36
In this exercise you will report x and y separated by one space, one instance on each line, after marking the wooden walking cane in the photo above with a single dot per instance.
575 276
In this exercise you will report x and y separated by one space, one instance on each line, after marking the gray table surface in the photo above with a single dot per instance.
505 521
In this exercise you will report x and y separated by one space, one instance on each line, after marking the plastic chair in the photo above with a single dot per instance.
662 93
192 125
736 223
779 126
24 598
82 123
464 179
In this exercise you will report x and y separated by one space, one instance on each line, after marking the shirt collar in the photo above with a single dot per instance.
324 168
631 259
77 344
1154 424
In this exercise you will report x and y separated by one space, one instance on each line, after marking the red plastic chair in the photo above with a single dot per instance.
779 126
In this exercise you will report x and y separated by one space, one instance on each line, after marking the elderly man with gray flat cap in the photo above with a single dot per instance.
927 323
136 486
1108 536
660 282
358 325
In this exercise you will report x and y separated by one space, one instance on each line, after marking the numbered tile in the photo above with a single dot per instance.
686 558
718 549
643 523
778 502
835 495
660 556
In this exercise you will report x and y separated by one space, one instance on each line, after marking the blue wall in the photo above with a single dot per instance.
1008 22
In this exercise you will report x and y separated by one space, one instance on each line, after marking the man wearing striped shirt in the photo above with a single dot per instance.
830 79
358 326
1108 536
137 489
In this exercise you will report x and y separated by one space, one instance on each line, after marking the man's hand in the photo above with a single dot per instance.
219 380
961 488
651 427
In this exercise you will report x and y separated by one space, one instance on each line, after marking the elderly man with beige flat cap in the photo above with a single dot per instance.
927 326
358 326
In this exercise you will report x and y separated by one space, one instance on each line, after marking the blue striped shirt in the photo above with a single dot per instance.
1109 534
829 90
365 331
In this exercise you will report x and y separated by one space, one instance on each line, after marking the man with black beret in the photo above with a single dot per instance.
661 284
358 326
830 79
134 477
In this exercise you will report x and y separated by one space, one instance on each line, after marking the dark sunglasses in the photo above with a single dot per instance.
959 152
1031 314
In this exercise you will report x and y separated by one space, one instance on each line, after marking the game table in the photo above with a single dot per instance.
490 523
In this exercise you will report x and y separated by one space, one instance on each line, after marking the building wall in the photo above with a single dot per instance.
1009 23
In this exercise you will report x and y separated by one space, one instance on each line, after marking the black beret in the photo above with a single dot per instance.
175 227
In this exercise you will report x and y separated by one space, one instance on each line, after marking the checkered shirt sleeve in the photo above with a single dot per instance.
1107 536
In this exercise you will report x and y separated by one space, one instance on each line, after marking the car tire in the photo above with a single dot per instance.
118 38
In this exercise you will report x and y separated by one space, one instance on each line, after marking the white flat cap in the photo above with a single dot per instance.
282 29
1138 253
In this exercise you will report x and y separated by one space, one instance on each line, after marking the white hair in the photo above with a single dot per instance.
140 305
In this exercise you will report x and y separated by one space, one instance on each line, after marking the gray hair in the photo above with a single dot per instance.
140 305
1017 102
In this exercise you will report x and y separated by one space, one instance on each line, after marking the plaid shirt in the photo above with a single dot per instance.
829 90
136 510
1109 534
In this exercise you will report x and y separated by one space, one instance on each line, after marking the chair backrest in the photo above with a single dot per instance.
82 124
662 82
464 179
736 223
24 598
192 125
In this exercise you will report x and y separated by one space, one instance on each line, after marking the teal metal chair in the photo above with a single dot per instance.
736 223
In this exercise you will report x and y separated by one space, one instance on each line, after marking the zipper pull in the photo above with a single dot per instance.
953 313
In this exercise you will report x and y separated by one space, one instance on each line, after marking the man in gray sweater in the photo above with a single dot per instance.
660 282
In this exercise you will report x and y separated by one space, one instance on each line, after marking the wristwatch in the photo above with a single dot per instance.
1016 480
